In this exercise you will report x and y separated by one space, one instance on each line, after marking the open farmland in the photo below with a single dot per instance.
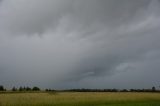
80 99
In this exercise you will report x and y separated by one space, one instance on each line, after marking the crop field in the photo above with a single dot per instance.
80 99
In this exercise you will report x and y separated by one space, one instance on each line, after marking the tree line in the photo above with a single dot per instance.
153 89
21 88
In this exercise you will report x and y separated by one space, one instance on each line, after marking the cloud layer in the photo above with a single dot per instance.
80 43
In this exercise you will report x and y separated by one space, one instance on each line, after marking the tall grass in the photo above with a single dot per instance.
80 99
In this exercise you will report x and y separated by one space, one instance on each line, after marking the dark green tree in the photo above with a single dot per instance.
153 89
1 88
36 89
14 89
28 89
21 88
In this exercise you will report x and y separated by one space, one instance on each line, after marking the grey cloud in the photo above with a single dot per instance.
79 43
30 17
37 16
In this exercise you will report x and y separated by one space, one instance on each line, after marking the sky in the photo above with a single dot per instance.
64 44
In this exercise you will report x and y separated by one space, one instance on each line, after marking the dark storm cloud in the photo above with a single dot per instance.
79 43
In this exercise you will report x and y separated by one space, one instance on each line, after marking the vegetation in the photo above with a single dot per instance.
80 99
1 88
26 96
35 88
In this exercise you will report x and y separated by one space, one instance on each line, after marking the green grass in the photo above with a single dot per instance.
79 99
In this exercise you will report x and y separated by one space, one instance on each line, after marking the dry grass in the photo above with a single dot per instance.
80 99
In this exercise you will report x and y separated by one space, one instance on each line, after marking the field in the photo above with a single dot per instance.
80 99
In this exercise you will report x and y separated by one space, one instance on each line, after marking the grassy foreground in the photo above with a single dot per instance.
80 99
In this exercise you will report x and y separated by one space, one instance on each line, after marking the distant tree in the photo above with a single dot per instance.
21 88
114 90
36 89
1 88
28 89
14 89
24 88
153 89
124 90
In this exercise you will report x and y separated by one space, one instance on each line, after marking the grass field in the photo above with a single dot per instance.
80 99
